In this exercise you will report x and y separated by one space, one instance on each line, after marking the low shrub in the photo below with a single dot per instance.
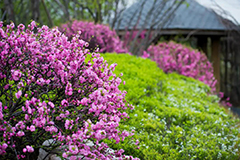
174 116
52 88
174 57
98 35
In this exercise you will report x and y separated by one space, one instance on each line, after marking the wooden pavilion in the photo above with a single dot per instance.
188 20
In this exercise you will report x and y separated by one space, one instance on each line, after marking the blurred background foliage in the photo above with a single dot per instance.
54 12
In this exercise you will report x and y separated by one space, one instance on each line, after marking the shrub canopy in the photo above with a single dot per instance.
174 116
174 57
98 35
52 88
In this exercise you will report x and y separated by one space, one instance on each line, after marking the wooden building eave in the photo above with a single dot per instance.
186 32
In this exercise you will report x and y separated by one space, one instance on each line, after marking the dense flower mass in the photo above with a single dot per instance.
52 88
98 35
173 57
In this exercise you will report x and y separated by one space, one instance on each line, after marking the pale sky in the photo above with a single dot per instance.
231 7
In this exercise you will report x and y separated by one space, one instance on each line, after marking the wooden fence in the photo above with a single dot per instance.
230 67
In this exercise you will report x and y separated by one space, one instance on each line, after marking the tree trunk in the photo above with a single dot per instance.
9 8
35 10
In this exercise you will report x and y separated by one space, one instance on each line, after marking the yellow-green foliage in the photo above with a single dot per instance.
174 117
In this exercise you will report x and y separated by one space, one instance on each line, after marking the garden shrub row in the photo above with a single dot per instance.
171 57
175 117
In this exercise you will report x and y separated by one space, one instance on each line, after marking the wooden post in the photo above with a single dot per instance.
202 43
215 58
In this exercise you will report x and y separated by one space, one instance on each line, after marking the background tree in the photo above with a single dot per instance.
145 22
54 12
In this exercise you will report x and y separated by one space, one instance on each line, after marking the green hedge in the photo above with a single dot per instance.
174 116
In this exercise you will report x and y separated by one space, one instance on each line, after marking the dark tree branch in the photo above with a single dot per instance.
9 7
48 14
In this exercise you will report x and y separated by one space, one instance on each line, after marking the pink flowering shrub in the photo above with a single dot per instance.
173 57
98 35
133 40
225 101
52 88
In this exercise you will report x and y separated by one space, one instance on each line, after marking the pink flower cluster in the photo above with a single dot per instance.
134 39
173 57
98 35
225 101
48 90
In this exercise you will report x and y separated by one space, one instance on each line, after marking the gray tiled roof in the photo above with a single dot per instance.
188 16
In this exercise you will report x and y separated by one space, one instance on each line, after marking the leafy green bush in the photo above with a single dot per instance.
174 116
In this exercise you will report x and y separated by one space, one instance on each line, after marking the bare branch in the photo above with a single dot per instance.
48 14
8 5
64 9
158 14
85 7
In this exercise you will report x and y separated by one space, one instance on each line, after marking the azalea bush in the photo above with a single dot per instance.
52 88
98 35
174 57
175 117
136 40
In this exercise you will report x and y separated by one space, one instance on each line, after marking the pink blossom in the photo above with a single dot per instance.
31 128
101 134
84 101
6 86
69 90
73 158
82 79
74 66
26 117
20 133
29 110
73 149
67 123
51 104
32 25
16 75
145 55
29 148
1 115
137 142
4 146
64 102
51 129
64 155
